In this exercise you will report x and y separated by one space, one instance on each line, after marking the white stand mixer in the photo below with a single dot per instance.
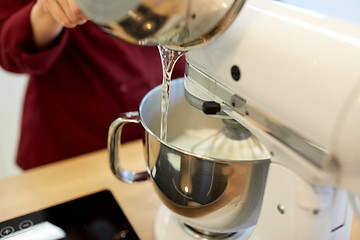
298 94
291 77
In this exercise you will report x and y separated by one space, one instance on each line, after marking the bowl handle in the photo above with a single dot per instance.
114 143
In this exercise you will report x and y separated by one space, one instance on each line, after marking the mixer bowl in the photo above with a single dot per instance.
207 194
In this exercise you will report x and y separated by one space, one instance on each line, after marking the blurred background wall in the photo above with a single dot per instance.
12 88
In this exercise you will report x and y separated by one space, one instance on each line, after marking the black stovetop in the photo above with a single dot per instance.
93 217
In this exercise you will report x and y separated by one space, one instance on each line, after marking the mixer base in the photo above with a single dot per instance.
167 226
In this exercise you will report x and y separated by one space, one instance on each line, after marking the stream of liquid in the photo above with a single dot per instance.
169 58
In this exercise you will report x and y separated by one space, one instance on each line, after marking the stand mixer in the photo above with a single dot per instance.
291 77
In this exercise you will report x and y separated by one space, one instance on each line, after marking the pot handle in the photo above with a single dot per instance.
114 143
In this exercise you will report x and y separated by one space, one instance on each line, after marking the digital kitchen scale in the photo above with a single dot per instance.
93 217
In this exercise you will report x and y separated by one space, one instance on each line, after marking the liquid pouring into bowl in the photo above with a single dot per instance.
169 58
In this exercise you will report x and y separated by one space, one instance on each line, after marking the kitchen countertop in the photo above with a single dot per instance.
60 182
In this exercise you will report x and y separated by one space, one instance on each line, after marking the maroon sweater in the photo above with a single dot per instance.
77 87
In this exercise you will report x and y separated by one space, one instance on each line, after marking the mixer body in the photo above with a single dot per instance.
292 78
276 71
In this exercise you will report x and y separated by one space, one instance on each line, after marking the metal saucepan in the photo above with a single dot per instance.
179 24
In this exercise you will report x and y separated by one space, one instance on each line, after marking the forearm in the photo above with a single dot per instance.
44 27
30 38
18 50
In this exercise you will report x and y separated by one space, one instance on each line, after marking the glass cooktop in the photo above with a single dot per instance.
93 217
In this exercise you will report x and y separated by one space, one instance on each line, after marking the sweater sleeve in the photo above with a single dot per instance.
18 52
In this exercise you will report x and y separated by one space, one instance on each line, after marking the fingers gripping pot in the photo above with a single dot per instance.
209 194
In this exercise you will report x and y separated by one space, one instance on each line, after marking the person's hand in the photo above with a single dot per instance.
66 12
49 17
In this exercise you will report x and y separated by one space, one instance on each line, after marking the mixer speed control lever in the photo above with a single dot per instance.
211 107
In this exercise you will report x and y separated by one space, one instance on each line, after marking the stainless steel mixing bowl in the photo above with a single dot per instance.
217 196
